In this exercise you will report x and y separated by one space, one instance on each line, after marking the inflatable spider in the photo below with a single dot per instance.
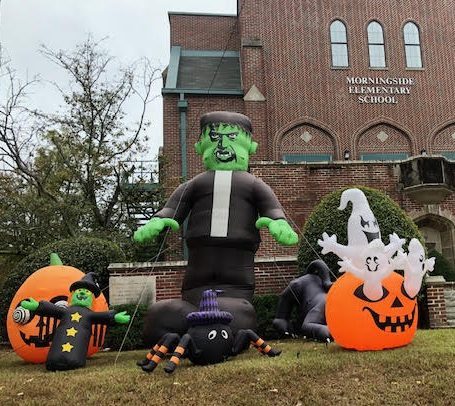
209 339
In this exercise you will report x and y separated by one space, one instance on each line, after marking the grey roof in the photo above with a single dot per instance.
204 72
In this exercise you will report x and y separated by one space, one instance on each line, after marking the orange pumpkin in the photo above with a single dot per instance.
357 323
31 341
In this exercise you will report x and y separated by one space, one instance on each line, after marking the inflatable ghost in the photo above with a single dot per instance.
363 228
371 307
415 266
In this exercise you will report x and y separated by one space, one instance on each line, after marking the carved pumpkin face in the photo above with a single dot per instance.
31 340
356 322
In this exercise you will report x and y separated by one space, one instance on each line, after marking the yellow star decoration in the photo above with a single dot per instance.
76 317
67 347
71 332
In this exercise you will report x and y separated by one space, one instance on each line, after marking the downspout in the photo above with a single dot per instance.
182 105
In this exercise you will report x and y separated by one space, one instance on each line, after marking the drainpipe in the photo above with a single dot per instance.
182 105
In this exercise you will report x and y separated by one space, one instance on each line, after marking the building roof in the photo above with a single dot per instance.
203 72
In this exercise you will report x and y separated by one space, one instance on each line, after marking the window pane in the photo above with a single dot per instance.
377 56
392 156
338 32
413 56
340 55
411 34
375 34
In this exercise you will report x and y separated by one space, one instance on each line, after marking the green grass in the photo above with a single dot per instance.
306 373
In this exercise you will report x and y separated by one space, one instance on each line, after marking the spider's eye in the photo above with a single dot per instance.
212 335
421 258
225 334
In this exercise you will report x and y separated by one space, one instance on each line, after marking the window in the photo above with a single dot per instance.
448 154
379 156
339 44
293 158
376 46
412 46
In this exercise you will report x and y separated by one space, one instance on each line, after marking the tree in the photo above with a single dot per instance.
75 170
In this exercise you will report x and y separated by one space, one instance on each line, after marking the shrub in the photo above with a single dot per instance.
442 266
265 306
327 218
116 334
86 254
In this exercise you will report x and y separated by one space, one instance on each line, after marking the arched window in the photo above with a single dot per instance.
376 46
412 46
339 44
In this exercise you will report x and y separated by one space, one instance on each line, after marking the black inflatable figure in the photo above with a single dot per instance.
209 339
71 339
307 293
222 206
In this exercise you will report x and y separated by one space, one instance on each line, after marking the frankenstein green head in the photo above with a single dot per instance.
84 290
225 142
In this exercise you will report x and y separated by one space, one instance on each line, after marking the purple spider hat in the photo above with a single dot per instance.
209 312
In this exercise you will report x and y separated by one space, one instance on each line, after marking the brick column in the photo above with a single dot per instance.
436 301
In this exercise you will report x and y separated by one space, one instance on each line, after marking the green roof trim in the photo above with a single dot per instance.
228 92
173 69
210 54
203 72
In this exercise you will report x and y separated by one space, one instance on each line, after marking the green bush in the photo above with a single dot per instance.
442 266
86 254
327 218
265 306
116 334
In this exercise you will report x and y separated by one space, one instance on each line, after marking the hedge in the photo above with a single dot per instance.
442 266
327 218
86 254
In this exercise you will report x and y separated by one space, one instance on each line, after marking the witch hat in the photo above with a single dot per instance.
209 312
87 282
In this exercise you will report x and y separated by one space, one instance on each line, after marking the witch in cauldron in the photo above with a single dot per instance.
209 339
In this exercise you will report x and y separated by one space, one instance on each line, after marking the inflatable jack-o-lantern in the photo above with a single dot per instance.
30 335
356 322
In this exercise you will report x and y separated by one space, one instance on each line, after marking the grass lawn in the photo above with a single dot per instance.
306 373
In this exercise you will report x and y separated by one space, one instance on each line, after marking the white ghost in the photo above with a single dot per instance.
376 266
415 267
363 228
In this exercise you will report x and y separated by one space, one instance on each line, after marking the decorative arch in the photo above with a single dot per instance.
383 137
438 230
442 140
305 136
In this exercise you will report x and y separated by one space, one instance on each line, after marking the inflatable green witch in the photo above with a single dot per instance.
72 336
225 206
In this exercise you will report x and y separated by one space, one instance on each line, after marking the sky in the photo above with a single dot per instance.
133 29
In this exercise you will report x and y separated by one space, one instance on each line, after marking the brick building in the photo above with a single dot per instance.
340 93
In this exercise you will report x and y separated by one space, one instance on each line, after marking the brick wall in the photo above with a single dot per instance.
436 288
209 32
272 275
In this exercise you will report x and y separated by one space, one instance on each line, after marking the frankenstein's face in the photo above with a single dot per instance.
225 147
82 297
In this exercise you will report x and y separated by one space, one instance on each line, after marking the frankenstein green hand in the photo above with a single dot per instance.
280 229
151 230
122 318
30 304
